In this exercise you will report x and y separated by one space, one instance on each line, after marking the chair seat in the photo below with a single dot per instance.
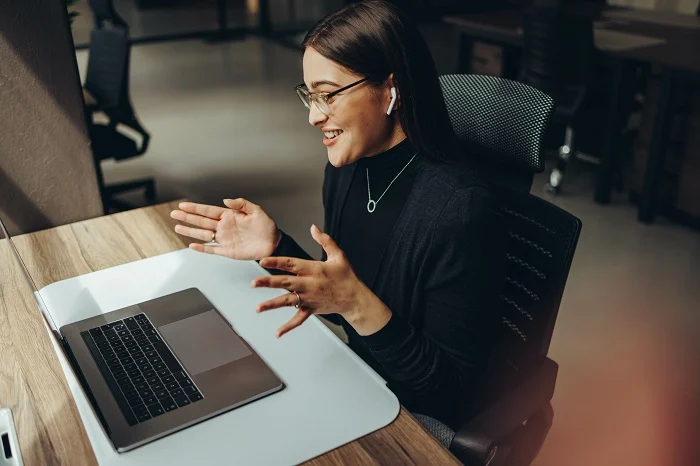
437 429
108 143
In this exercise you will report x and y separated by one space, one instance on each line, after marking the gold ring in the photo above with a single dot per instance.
213 236
298 304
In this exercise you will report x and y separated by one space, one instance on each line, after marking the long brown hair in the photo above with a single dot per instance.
374 39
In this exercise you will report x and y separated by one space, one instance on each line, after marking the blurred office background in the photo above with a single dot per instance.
211 82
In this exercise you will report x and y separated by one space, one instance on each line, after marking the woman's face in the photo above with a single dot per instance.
358 125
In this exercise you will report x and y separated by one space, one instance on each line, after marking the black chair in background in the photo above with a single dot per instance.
103 10
502 123
557 59
507 121
108 82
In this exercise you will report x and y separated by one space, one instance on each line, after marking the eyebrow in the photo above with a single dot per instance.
315 84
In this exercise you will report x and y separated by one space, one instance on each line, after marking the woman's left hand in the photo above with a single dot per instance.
329 287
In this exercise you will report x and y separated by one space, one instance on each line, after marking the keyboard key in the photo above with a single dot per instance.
150 331
140 361
155 360
182 401
122 355
168 404
143 417
149 400
167 379
110 325
139 379
172 385
163 372
136 332
133 350
190 390
145 367
123 333
140 317
158 387
177 392
136 354
109 354
96 332
130 393
113 338
185 383
142 339
119 374
139 409
155 409
158 367
126 360
146 393
130 343
119 328
149 374
145 325
131 323
151 354
134 401
153 380
162 394
180 376
134 373
148 348
167 356
195 397
154 338
129 367
103 345
113 363
124 382
141 386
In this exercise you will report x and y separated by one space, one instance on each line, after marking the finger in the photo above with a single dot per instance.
242 205
204 210
298 319
326 242
207 249
286 282
287 300
289 264
192 219
196 233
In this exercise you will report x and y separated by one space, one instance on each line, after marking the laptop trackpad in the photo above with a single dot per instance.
203 342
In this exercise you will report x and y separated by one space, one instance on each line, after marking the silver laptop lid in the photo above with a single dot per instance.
37 296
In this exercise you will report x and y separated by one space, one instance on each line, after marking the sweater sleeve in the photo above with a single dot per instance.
434 368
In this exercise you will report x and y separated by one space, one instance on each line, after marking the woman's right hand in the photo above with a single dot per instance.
243 230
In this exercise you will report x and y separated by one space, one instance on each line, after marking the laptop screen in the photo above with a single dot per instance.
4 235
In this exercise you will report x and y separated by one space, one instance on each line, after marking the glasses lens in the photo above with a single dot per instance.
322 104
304 96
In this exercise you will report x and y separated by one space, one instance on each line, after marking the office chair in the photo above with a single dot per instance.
502 122
517 413
108 81
558 50
103 10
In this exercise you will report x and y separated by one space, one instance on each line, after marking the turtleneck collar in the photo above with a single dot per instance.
391 160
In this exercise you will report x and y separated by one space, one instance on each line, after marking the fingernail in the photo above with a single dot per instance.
252 284
178 228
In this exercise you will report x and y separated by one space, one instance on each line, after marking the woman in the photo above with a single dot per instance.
407 261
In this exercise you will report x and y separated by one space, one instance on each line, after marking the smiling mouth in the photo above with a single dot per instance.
332 134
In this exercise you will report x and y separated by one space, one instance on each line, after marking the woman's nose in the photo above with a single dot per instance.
316 116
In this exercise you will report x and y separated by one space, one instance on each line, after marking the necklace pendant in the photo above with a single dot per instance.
371 205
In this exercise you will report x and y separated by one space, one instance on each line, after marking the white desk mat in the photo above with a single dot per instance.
331 396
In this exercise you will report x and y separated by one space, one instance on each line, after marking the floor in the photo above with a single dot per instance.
225 122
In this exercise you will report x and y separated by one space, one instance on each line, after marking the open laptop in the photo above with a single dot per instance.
159 366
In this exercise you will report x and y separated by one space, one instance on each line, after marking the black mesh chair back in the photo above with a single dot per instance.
558 48
542 239
103 10
503 122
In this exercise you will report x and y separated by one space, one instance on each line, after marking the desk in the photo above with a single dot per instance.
678 57
31 380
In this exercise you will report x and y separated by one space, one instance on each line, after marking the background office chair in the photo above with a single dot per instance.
108 82
505 122
103 10
558 51
502 123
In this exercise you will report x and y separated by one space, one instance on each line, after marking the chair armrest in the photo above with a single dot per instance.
133 123
475 442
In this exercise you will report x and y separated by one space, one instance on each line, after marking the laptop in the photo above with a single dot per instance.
159 366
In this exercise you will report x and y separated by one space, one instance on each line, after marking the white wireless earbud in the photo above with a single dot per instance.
393 101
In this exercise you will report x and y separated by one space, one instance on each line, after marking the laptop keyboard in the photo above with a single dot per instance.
142 373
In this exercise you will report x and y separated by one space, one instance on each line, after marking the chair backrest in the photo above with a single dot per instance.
542 239
558 46
108 71
503 122
103 10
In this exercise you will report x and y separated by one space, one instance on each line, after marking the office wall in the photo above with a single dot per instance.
47 174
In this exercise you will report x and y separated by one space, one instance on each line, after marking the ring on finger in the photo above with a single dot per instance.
298 304
213 236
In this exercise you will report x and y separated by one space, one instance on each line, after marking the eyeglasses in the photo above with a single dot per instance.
321 98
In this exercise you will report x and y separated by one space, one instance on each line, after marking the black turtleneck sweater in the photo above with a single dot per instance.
427 251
